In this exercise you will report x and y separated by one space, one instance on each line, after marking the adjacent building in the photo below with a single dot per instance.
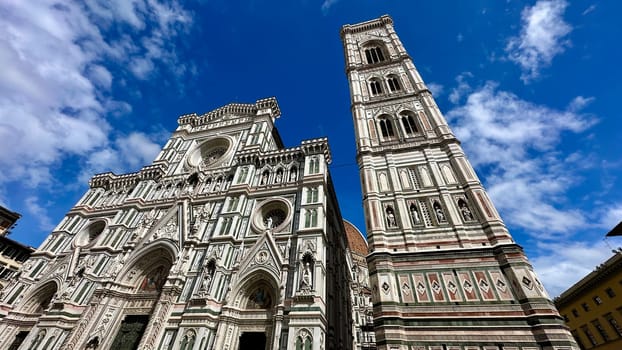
228 240
592 307
12 253
445 273
364 337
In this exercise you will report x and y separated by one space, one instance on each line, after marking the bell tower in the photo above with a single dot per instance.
445 272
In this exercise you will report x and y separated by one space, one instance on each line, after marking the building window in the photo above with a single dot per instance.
375 87
578 340
585 307
600 330
589 335
386 128
394 83
233 204
312 195
374 55
409 124
610 292
575 313
314 165
597 300
614 324
311 218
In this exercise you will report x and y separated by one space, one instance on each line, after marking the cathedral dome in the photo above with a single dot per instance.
356 241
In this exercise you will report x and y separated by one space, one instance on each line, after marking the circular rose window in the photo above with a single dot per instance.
209 153
273 215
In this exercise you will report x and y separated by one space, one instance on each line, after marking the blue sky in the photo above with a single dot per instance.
530 88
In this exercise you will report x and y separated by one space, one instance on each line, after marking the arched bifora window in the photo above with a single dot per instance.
374 54
386 127
375 86
408 121
394 83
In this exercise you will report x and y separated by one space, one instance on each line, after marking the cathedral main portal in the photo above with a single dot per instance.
252 341
130 333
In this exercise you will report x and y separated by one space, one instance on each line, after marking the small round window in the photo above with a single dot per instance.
273 215
88 234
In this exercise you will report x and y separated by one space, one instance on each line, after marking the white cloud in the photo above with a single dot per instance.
127 153
39 212
562 264
327 4
542 37
516 142
56 60
463 87
137 149
589 9
436 89
612 216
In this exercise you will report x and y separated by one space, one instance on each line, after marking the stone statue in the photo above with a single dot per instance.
391 219
207 280
306 277
439 214
415 215
466 213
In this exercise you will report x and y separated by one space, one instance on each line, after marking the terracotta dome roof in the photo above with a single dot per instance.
356 241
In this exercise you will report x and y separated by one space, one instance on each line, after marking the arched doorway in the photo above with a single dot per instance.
153 270
38 302
251 322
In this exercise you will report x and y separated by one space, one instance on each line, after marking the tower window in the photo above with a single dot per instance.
375 87
394 83
374 55
409 124
386 128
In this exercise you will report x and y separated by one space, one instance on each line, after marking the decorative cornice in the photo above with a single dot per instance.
263 106
273 157
365 26
110 180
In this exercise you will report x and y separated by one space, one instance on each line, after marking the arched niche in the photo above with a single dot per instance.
147 270
41 299
260 291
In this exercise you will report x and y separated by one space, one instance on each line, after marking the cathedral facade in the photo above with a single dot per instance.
228 240
445 273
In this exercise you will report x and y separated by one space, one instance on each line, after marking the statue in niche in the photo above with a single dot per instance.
207 280
292 175
306 277
269 223
279 176
218 184
414 214
464 209
391 217
264 178
440 216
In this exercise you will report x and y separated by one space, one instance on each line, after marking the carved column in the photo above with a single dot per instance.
154 328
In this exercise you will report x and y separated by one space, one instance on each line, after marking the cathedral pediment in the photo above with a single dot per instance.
263 255
167 227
